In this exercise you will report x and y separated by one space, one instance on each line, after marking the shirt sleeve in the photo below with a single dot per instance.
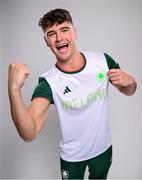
43 89
111 62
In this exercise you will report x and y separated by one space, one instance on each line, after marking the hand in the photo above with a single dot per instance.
17 76
119 78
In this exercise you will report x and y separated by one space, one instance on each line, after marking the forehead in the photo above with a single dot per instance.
57 26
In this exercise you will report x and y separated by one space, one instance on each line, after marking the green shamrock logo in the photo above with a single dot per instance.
101 76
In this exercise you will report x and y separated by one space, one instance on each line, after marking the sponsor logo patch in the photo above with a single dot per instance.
67 90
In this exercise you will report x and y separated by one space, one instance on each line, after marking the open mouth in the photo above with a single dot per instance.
61 47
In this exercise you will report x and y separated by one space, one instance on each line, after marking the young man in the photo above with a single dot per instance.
78 86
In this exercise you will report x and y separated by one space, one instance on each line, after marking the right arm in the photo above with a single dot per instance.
28 121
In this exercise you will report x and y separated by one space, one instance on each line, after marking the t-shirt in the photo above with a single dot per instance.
81 100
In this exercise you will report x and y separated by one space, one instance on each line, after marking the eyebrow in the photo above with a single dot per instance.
52 31
65 27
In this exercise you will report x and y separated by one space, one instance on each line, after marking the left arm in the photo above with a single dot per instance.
123 81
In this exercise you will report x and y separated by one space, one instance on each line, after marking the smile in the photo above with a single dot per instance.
62 46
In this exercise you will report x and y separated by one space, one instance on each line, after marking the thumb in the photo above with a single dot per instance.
27 71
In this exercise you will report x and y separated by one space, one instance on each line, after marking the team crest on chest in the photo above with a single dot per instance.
101 76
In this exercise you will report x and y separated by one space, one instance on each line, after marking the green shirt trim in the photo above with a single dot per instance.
74 72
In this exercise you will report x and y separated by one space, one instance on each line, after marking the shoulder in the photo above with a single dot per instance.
48 74
92 55
101 57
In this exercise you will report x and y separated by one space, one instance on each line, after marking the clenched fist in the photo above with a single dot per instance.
123 81
17 76
119 77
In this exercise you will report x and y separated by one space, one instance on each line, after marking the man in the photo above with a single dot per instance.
78 86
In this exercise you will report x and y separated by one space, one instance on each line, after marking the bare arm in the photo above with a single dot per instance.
28 121
123 81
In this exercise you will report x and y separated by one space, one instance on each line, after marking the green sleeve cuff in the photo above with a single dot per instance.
43 89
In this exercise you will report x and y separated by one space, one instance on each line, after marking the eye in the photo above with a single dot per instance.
51 34
65 30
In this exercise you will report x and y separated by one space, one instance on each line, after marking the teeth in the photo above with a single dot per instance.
61 45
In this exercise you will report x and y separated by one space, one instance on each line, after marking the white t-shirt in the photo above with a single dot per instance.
81 100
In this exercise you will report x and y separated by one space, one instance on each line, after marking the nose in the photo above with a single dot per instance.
58 36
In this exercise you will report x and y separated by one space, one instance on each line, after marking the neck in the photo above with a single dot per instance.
76 62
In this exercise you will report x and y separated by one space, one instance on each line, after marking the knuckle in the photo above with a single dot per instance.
12 65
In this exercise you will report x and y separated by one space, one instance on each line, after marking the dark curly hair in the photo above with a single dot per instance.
55 16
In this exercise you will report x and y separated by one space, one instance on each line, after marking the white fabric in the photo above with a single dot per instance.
81 102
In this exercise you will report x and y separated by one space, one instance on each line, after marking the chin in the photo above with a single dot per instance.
63 58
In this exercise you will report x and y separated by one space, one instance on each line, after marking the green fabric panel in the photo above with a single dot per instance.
111 62
43 89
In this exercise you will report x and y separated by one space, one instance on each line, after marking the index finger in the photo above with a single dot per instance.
113 71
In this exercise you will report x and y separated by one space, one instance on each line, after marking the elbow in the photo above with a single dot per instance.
27 138
27 135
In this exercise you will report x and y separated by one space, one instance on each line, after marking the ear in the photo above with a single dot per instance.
46 41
